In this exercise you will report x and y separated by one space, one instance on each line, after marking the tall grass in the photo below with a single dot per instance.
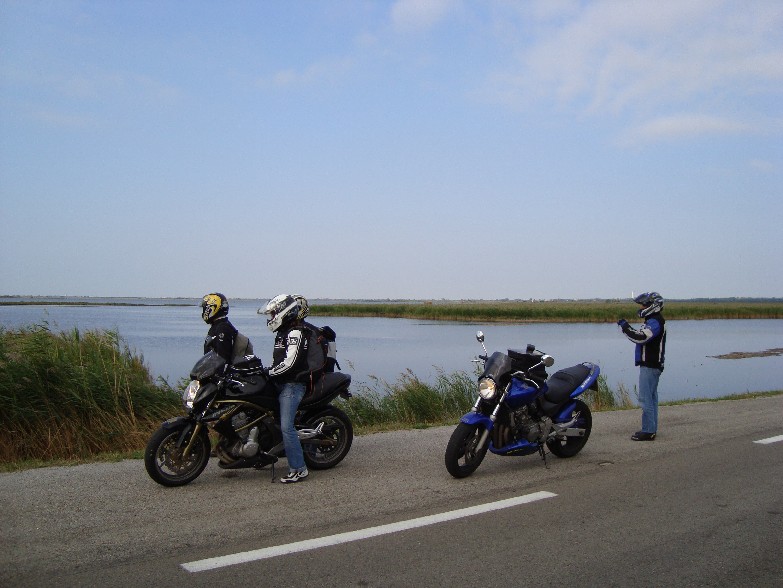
551 311
409 402
71 395
607 399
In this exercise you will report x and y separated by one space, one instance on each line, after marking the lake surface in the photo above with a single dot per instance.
170 338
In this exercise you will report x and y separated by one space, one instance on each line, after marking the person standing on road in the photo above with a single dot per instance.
290 372
650 340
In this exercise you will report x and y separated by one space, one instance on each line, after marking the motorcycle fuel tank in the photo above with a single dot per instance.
522 393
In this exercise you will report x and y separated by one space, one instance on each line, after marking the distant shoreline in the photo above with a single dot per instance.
49 302
528 311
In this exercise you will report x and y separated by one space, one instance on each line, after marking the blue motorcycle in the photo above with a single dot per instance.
520 410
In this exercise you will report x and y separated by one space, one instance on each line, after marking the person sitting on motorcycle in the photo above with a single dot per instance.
289 372
222 334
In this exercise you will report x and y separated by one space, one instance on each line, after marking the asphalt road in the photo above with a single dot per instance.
700 506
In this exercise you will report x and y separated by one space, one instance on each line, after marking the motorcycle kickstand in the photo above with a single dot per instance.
543 454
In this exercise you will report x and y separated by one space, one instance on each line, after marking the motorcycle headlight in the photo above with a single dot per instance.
190 393
487 388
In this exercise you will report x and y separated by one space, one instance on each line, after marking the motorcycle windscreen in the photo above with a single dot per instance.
207 366
498 365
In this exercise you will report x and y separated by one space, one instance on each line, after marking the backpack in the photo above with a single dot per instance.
242 348
321 353
330 339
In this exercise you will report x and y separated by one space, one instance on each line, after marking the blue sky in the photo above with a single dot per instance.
354 149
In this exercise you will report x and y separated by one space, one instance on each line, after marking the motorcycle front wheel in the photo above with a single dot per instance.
570 446
164 459
329 449
463 455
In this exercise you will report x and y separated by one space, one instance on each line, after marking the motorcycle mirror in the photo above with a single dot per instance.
548 360
480 336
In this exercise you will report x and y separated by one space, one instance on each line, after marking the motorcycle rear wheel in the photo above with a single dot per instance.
570 446
462 455
338 430
164 461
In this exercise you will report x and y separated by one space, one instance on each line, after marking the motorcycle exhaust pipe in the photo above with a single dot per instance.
567 430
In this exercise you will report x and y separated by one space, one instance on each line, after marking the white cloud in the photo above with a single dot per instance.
57 119
318 72
684 126
609 58
419 14
763 165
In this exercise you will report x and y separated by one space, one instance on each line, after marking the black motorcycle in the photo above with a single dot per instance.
239 403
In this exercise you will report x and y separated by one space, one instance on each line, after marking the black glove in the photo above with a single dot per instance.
623 324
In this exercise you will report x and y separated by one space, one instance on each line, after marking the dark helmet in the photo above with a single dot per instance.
651 303
213 306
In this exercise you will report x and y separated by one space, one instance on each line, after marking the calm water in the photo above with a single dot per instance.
171 338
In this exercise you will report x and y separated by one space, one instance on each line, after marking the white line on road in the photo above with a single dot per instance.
770 440
257 554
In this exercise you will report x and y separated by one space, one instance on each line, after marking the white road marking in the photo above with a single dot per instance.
268 552
770 440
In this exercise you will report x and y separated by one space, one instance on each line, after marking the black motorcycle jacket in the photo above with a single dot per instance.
289 357
650 341
220 338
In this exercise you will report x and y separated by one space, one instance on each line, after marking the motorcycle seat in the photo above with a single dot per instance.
562 383
326 385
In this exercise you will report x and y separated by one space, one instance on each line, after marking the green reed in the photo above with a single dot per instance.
607 399
551 311
409 402
70 395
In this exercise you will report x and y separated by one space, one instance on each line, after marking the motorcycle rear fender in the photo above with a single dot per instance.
476 418
591 382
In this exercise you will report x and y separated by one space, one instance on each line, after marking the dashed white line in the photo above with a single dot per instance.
268 552
770 440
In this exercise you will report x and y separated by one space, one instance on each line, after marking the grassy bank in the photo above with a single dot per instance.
70 397
74 395
551 311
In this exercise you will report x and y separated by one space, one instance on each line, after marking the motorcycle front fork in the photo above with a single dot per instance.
193 435
492 417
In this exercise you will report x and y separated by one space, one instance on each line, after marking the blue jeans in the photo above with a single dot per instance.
291 395
648 398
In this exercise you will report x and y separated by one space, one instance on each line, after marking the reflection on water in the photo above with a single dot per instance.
171 339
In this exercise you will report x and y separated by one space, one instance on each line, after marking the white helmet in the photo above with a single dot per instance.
285 308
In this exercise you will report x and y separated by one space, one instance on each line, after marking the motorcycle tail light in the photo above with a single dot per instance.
487 388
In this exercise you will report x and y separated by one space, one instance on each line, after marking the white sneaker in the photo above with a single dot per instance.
292 477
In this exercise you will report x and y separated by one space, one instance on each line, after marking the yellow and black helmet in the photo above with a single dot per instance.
213 306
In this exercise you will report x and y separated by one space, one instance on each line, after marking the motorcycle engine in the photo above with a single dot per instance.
247 445
238 421
527 427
